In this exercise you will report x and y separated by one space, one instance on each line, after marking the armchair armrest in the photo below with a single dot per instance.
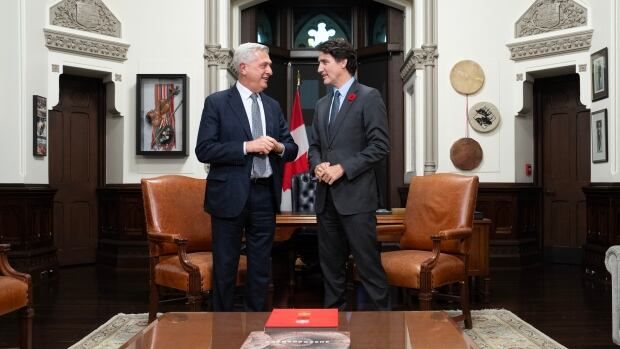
449 234
165 238
181 242
452 234
7 270
390 232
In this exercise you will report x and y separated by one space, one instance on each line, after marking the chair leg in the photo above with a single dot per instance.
27 314
194 302
154 300
465 303
425 298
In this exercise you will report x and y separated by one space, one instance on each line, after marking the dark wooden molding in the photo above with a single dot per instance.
603 228
122 234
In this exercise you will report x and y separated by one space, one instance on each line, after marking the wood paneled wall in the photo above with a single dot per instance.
26 224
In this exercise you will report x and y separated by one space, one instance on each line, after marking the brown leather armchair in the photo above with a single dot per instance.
179 234
16 294
435 244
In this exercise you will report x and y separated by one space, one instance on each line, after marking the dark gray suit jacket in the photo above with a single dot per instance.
358 139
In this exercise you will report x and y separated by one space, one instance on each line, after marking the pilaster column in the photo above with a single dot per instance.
430 87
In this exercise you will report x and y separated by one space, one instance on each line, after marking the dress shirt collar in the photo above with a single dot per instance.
345 88
245 92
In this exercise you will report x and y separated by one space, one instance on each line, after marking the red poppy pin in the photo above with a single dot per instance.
351 97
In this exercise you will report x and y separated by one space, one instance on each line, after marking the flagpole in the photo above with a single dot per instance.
298 78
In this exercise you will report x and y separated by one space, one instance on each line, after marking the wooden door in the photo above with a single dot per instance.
565 166
75 169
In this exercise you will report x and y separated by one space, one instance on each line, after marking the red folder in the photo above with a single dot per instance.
302 319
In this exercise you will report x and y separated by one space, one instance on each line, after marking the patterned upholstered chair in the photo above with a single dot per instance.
435 242
16 294
179 234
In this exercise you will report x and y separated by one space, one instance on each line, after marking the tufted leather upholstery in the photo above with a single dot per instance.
16 294
304 192
179 232
435 244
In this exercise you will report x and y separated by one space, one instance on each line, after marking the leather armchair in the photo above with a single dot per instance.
435 242
180 240
16 294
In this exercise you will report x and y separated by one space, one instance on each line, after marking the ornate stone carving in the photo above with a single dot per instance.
216 55
550 15
555 45
87 15
417 58
83 45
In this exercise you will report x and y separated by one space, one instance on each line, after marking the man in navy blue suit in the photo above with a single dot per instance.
245 138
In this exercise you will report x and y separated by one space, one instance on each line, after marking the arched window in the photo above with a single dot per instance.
313 26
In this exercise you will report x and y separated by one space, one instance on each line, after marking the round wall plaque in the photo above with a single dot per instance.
483 117
466 154
467 77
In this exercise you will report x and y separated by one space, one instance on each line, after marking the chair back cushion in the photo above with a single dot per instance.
13 294
435 203
303 192
175 205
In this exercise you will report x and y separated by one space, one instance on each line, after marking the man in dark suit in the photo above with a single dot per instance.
349 136
244 137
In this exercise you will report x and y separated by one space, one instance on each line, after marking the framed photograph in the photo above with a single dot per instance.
599 136
39 126
161 114
600 75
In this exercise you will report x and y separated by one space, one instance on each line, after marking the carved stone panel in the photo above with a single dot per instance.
83 45
87 15
550 15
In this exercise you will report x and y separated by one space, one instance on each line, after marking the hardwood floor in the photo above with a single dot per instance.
553 298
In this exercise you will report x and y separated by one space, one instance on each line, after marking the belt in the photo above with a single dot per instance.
261 181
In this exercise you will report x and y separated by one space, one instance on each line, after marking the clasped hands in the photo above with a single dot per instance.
328 173
264 145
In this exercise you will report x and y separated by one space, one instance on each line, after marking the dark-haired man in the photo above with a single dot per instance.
349 135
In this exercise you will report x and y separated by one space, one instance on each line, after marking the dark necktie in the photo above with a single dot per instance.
335 107
259 164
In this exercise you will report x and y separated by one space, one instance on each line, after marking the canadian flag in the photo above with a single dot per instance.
300 164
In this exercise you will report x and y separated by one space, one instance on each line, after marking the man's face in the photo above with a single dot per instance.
332 71
255 74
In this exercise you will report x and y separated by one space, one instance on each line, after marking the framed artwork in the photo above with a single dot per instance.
161 114
598 129
600 75
39 126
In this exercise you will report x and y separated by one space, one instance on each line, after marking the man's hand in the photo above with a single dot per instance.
264 145
319 170
332 174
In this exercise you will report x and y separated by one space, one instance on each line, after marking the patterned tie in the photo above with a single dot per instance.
259 164
335 107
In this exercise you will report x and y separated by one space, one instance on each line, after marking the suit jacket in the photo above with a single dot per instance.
223 129
357 139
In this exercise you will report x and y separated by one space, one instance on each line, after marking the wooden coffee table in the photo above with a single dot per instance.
385 329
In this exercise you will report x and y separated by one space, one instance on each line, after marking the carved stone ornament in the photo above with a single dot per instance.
216 55
550 15
88 15
83 45
555 45
417 58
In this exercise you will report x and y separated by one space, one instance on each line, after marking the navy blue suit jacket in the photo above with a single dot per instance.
223 129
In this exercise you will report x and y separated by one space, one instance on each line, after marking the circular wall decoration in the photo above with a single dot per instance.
483 117
467 77
466 154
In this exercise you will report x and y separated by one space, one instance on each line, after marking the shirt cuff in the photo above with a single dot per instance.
244 151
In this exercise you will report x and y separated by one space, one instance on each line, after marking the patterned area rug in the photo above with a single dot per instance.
493 329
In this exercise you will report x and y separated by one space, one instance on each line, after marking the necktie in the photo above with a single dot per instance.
335 107
259 164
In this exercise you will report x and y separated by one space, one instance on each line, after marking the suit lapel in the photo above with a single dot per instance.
236 104
343 112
